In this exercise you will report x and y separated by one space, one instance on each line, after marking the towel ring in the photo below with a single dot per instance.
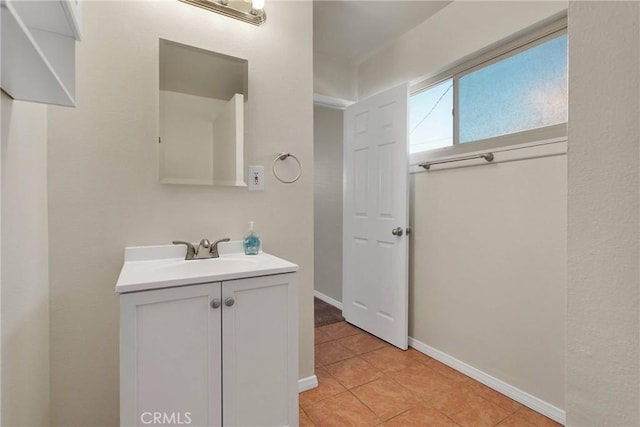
283 156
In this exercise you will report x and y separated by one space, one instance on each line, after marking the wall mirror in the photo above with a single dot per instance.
203 104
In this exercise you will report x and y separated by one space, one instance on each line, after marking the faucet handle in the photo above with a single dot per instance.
191 251
213 250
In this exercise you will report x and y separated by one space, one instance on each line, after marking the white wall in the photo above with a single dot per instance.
327 207
228 143
333 77
199 139
488 251
103 182
25 268
603 344
187 132
460 29
488 270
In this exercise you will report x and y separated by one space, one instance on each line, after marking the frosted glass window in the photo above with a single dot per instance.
431 118
522 92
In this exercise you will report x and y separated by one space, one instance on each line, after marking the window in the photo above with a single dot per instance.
509 98
431 118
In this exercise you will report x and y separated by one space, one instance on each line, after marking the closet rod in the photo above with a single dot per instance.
487 156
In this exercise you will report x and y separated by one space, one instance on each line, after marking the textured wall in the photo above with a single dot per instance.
603 344
327 207
25 267
103 178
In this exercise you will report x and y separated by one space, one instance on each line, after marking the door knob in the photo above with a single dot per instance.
215 303
397 231
229 302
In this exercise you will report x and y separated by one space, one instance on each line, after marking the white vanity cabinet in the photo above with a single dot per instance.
218 353
170 355
260 351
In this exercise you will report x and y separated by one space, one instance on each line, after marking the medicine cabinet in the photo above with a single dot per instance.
203 102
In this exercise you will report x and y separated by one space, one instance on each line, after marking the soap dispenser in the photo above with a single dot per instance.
252 241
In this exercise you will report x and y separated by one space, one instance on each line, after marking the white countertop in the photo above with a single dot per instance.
156 267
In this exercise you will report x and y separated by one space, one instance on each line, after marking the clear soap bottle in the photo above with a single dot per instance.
252 241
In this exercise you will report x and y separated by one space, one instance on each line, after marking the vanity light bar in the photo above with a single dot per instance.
254 15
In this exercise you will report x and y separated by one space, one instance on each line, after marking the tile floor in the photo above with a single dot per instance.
364 381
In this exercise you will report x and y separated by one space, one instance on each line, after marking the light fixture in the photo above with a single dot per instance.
257 7
251 11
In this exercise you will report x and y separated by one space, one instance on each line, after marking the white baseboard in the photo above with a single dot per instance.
514 393
328 300
308 383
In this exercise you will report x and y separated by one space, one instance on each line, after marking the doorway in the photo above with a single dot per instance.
328 158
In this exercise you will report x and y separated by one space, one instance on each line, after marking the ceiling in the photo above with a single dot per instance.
349 30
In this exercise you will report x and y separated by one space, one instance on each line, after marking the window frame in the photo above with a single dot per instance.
518 43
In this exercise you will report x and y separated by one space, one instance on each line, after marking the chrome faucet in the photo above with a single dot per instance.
205 249
191 251
213 250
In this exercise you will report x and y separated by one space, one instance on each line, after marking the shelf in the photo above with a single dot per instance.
38 50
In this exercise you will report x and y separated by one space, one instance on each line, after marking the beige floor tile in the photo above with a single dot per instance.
353 372
303 419
467 408
515 420
327 387
340 330
331 352
364 381
536 418
362 343
393 359
414 354
321 336
447 371
385 397
342 410
422 381
493 396
421 416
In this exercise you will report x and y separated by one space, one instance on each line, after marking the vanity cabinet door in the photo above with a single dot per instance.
260 351
170 357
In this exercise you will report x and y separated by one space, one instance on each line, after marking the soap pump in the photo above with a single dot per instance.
252 241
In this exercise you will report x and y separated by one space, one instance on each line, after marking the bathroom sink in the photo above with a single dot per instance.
204 267
155 267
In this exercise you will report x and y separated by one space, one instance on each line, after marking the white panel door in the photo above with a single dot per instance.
376 215
260 351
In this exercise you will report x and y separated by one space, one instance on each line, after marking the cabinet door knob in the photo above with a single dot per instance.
229 302
397 231
215 303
